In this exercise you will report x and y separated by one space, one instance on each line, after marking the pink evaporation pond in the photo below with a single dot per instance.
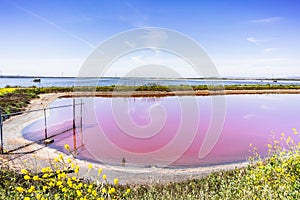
143 131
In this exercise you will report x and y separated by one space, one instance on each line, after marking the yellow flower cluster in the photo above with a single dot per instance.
61 181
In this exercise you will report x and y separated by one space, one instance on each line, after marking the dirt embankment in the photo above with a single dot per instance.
179 93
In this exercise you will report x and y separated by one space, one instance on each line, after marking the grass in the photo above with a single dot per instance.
274 177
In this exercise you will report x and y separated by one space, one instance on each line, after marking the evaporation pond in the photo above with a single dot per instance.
169 131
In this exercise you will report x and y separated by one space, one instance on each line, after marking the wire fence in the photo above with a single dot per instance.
45 130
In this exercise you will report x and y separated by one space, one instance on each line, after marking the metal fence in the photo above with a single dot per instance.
48 134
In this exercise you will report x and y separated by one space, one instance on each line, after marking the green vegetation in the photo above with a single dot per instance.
275 177
260 87
17 99
60 181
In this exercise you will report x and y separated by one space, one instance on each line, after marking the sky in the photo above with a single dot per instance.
243 38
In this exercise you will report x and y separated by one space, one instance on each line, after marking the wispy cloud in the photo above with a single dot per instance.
266 20
270 50
254 40
259 41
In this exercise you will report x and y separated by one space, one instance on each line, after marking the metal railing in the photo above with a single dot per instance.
3 117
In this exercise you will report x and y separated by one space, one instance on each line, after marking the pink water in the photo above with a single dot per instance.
170 131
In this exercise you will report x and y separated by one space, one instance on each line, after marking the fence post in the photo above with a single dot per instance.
45 120
74 126
1 133
81 134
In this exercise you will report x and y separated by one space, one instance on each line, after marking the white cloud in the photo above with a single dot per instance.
259 41
266 20
270 50
254 40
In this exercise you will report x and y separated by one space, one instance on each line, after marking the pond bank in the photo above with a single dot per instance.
177 93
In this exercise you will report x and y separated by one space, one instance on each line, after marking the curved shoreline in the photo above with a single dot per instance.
35 161
176 93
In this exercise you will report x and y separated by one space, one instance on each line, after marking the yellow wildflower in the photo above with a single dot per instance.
116 181
51 184
99 171
103 190
59 183
76 169
67 147
112 190
46 169
38 196
73 165
104 177
24 171
90 166
78 193
63 190
26 198
20 189
45 187
128 190
31 189
35 178
26 177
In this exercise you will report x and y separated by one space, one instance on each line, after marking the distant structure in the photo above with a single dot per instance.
37 80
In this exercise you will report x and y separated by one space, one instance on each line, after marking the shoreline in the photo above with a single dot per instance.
177 93
40 155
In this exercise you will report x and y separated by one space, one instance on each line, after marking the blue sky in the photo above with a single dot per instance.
243 38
